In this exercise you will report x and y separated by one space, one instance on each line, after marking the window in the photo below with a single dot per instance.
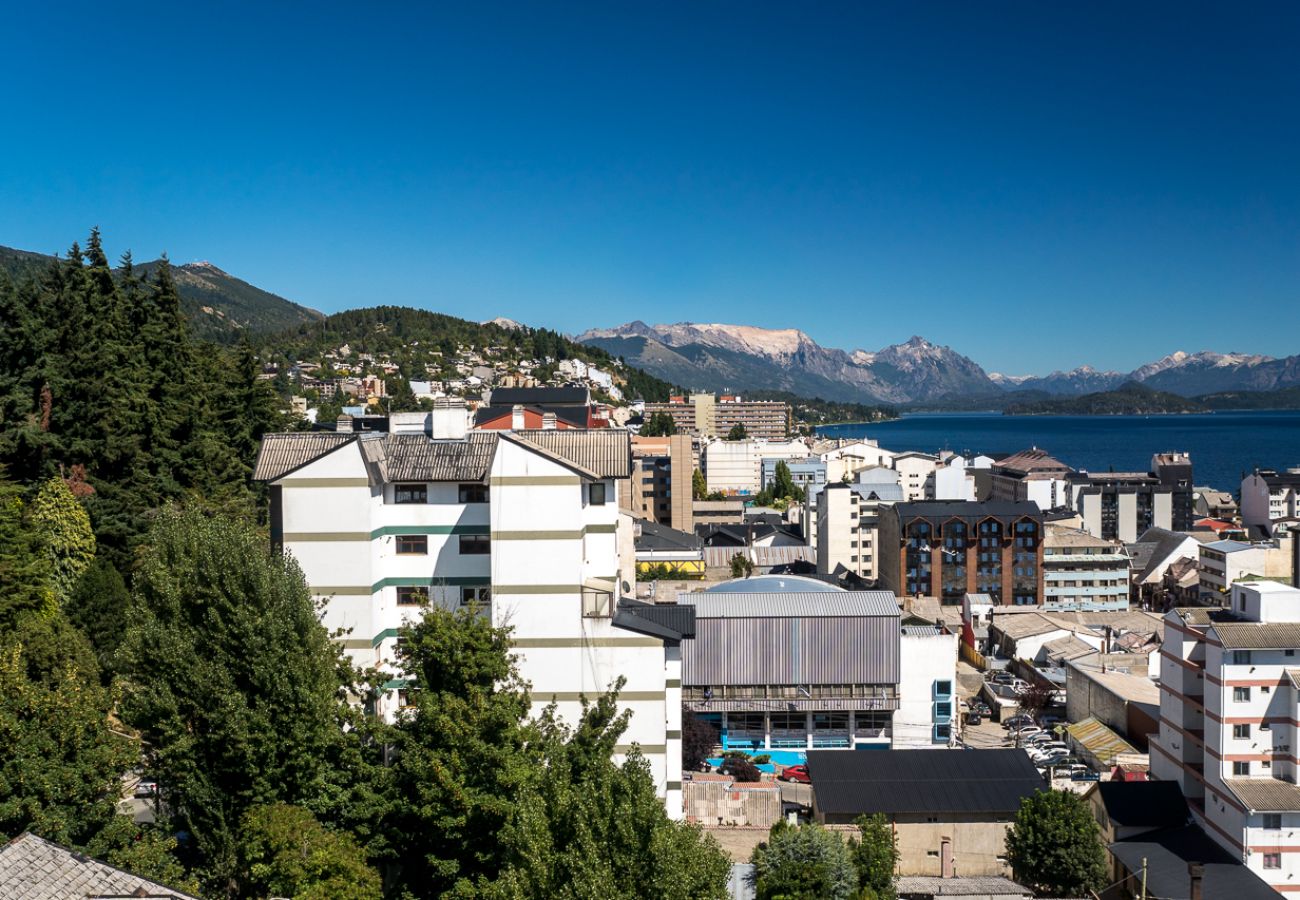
1241 768
596 493
412 596
473 493
1288 653
942 733
1241 657
481 594
412 544
410 493
943 688
1272 860
475 545
1241 695
597 604
1273 821
1265 689
943 710
1241 732
405 697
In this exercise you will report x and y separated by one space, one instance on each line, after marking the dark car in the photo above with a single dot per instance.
795 773
973 717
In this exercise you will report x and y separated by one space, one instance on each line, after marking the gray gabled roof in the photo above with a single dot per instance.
714 604
32 868
415 457
281 454
601 452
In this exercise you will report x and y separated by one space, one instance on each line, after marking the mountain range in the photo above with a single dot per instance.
219 305
743 357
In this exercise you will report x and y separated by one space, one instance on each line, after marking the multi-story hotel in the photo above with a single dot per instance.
710 416
1230 724
525 524
948 549
1083 572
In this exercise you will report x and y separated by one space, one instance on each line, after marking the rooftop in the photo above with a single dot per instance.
1265 794
714 604
965 509
1099 740
979 886
773 584
1227 546
1032 460
32 868
1144 804
1167 854
991 782
1258 635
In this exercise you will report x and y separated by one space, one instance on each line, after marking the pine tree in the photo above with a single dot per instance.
25 587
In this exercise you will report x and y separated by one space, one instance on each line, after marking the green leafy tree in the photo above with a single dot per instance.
699 486
699 738
100 608
61 768
64 528
25 586
660 424
1054 845
286 852
232 681
805 862
142 849
741 566
737 432
875 856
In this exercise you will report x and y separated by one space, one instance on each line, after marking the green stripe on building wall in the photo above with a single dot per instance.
673 683
537 535
341 590
673 735
673 785
382 636
300 536
533 480
646 749
571 696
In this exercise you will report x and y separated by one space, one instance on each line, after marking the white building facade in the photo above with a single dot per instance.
525 525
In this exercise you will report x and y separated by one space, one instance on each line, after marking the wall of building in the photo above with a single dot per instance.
926 663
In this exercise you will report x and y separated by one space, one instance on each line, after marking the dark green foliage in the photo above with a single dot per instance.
741 566
875 856
804 862
99 607
737 432
99 373
1129 399
699 486
25 585
813 412
144 850
1054 845
488 802
287 852
231 680
659 424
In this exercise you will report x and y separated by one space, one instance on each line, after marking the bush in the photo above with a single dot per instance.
804 862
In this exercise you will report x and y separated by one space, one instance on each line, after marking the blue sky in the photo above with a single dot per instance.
1038 185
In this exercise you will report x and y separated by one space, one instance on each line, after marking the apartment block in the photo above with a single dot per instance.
711 416
1081 571
525 525
1268 495
1229 695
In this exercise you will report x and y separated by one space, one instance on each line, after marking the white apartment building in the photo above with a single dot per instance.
927 712
954 479
1230 724
915 473
525 523
1267 495
850 457
846 532
736 467
1081 571
1223 563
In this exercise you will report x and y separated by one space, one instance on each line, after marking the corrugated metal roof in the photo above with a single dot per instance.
415 457
989 782
1265 794
793 604
1099 740
979 886
603 452
1258 635
280 454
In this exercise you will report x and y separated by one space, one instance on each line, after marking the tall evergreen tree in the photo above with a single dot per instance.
63 527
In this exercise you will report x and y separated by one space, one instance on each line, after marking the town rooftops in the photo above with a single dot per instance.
1258 636
1032 460
964 509
1166 855
669 621
1227 546
1144 804
654 537
988 782
1276 480
980 887
32 868
280 454
1265 794
714 604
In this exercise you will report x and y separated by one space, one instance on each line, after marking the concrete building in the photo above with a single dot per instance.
927 712
846 533
525 524
808 474
1081 571
1032 475
916 473
1122 505
709 416
820 669
1224 563
736 467
1267 495
661 484
954 479
1229 690
949 549
949 810
849 457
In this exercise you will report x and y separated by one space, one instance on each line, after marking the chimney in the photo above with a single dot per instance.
548 421
1195 871
517 418
344 423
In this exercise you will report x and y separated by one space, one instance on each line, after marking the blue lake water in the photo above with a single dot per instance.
1223 445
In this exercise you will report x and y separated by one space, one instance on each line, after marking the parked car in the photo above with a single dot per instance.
973 717
795 773
1025 731
1043 737
1000 678
146 788
1083 773
1017 721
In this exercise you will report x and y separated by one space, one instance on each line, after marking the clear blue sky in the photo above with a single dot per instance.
1038 185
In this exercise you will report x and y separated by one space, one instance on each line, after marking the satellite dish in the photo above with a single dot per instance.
627 588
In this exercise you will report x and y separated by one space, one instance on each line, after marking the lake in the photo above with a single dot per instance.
1223 445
